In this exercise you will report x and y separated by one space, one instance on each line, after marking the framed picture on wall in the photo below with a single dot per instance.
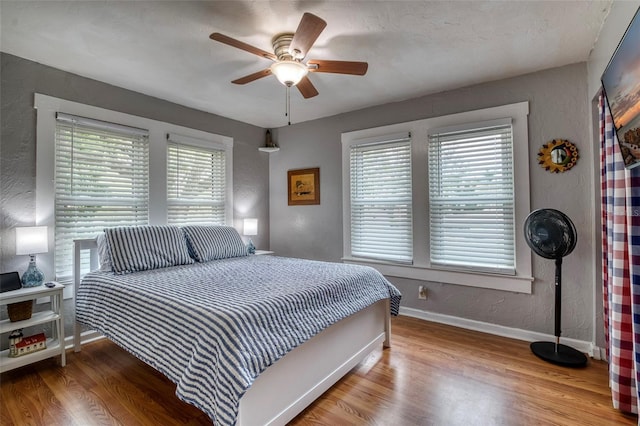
304 186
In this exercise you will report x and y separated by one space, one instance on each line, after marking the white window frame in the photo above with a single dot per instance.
225 147
422 269
48 106
507 199
373 144
77 135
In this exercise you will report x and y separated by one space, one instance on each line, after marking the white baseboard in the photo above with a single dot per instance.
589 348
499 330
599 353
85 337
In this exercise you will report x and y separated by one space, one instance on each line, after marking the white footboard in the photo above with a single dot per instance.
295 381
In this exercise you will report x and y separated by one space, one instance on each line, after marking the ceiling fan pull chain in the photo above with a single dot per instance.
288 107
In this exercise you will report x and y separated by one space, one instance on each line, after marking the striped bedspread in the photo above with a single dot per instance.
213 327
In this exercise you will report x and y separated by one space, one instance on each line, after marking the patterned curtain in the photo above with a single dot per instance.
620 191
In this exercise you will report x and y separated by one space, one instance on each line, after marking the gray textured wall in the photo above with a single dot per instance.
21 78
558 109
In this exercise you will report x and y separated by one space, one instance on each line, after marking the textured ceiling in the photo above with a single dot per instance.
414 48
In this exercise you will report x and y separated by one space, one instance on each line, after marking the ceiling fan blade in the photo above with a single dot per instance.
306 88
252 77
308 31
338 67
241 45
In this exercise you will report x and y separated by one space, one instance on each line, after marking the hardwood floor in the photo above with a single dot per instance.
432 375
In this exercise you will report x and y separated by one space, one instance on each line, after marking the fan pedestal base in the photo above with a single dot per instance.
559 354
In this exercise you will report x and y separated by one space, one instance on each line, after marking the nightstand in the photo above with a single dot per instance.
55 343
263 252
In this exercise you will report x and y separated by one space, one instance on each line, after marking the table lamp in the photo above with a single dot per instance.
251 228
32 240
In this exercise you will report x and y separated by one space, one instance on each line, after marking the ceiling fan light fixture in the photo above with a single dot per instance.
289 73
289 50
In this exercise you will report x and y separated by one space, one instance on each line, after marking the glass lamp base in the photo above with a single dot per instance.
250 247
32 277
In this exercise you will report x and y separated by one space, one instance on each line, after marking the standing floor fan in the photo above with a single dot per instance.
552 235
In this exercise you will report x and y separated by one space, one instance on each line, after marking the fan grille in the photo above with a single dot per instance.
550 233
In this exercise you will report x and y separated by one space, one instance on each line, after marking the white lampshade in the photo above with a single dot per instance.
289 73
31 240
251 227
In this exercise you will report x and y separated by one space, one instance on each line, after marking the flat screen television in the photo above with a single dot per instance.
621 84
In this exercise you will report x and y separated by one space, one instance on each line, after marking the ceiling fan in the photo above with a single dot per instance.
289 51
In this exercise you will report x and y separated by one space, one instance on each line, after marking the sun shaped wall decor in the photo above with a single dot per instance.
558 155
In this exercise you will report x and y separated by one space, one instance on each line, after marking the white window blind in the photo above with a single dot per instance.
101 180
381 204
471 198
196 185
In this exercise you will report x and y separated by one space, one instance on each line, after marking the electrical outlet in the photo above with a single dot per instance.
422 292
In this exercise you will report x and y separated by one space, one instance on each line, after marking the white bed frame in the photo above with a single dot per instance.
287 387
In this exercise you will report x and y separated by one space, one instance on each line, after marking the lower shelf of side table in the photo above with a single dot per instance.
8 363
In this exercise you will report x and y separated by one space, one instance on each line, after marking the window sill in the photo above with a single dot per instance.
518 284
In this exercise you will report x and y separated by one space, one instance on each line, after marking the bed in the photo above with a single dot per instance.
249 340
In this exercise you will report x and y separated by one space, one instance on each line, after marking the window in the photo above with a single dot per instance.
196 184
92 173
101 180
381 225
471 199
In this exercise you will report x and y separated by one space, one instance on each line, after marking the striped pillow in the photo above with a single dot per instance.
104 257
146 247
214 242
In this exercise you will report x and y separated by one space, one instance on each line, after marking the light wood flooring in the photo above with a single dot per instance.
433 375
